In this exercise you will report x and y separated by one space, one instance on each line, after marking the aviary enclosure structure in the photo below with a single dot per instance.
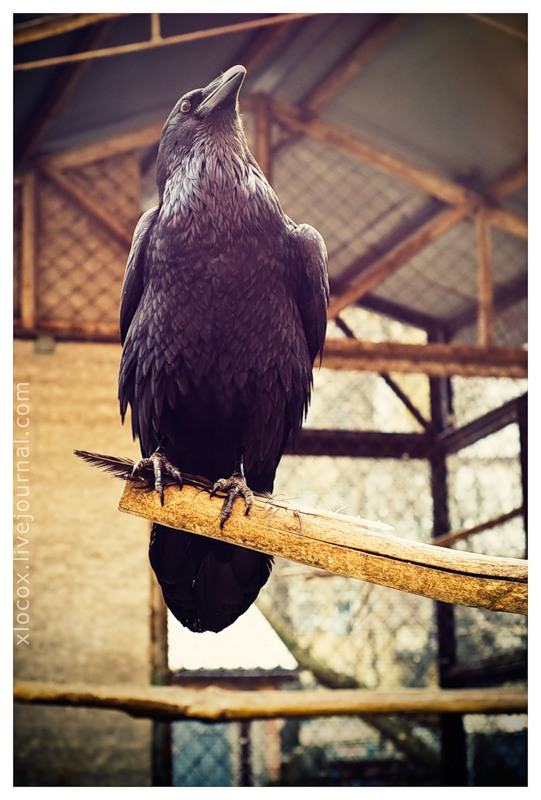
402 138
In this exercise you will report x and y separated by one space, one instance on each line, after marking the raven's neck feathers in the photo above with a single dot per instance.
218 189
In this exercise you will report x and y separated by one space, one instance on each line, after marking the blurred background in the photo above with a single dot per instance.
403 139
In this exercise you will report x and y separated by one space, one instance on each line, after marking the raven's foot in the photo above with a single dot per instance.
234 487
162 467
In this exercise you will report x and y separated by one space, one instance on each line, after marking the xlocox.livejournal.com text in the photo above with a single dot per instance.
22 517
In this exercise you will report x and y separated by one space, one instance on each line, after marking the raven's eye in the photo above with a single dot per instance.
185 106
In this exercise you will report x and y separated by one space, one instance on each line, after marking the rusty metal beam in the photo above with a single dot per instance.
434 358
151 44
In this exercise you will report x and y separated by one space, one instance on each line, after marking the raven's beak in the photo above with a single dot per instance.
223 91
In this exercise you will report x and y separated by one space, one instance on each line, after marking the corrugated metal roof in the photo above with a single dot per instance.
449 93
249 644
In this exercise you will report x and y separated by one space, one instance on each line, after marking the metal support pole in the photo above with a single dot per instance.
522 418
246 778
162 767
453 740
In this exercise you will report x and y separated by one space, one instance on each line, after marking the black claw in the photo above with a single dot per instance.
218 486
161 468
234 486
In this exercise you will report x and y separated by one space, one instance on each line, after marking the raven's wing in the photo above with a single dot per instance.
133 285
313 285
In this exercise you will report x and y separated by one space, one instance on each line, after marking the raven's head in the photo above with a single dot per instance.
201 115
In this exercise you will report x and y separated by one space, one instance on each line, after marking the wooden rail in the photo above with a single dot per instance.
213 703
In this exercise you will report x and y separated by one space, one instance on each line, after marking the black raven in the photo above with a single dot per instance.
223 313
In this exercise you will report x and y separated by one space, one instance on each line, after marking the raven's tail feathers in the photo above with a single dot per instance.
206 584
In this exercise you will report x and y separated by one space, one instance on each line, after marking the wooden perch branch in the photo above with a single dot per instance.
344 545
214 704
349 546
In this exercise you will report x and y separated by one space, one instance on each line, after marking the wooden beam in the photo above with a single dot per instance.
155 27
507 221
435 359
71 330
349 67
485 286
105 148
214 703
425 180
28 252
448 539
453 440
88 204
55 25
344 545
501 26
510 183
431 359
182 38
388 264
341 354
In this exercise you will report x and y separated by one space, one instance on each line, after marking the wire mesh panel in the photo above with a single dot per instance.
81 265
360 211
473 474
509 254
342 751
211 763
444 274
227 753
372 636
473 397
84 220
113 183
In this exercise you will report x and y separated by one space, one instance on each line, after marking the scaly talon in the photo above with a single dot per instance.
161 467
234 486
